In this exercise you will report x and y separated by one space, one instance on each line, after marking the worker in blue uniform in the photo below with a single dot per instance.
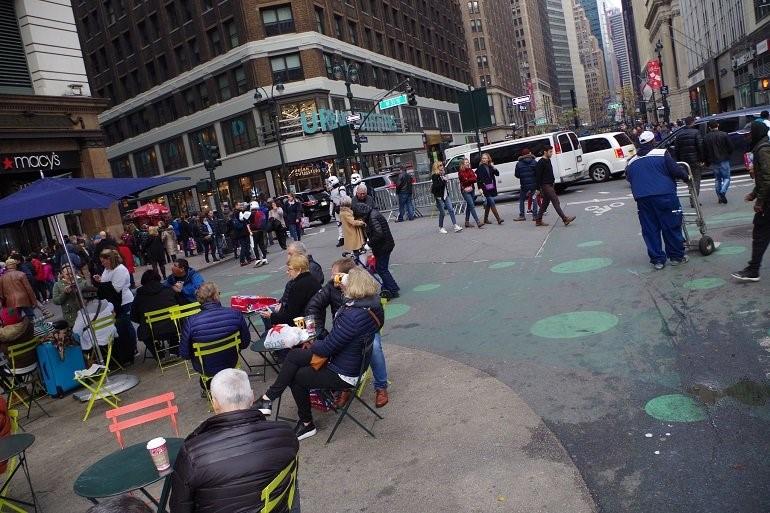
653 174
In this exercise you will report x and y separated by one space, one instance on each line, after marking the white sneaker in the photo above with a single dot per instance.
441 230
458 228
264 261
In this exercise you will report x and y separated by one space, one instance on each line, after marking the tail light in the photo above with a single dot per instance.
310 203
557 148
619 153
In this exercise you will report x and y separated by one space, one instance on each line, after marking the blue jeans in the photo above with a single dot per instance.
294 231
405 202
489 201
661 215
523 199
379 370
721 177
470 200
388 282
442 204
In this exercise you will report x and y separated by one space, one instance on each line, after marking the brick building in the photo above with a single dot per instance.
182 72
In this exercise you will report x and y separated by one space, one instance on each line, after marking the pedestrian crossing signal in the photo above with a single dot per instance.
764 84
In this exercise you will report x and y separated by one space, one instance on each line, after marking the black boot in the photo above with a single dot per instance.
340 242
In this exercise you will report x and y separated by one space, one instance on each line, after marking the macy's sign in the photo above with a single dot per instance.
52 161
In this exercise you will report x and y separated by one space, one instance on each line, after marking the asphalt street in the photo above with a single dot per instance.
655 382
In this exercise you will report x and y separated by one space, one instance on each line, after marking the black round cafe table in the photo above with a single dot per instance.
17 445
127 470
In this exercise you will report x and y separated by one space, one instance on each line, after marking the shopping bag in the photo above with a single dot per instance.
305 222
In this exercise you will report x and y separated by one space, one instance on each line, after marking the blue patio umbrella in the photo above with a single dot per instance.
51 196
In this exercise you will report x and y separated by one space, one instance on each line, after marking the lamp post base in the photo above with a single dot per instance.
116 383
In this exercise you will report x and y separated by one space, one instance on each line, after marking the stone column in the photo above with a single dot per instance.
93 164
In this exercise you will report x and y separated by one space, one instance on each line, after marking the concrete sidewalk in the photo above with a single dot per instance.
454 439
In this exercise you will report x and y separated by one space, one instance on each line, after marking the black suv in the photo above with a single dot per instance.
738 126
315 204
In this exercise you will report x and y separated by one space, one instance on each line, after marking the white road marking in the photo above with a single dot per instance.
603 192
600 200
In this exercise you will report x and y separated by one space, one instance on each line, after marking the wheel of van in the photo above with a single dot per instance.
599 173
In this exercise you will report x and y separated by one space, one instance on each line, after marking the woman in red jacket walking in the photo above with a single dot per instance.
468 183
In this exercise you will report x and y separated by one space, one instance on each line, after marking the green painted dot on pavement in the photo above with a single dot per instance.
426 287
251 280
581 265
675 408
730 216
590 244
704 283
393 310
574 324
730 250
501 265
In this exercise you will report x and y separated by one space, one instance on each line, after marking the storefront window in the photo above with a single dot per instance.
443 120
307 176
293 110
173 154
236 193
224 195
240 133
246 187
183 202
146 162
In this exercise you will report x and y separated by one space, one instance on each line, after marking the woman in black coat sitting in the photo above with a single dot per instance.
355 324
151 296
300 288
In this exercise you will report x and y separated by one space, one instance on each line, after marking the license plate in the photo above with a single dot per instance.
323 203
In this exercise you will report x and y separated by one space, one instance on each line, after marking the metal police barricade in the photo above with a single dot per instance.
386 201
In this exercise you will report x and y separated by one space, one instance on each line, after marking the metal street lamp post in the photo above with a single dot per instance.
260 97
664 99
349 72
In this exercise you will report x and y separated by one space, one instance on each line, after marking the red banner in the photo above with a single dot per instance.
653 74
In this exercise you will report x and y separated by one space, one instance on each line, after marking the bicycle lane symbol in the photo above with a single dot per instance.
598 210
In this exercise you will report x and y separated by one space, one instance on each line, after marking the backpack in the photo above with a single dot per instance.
257 220
27 269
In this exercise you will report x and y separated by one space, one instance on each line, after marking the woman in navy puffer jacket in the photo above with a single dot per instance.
355 324
214 322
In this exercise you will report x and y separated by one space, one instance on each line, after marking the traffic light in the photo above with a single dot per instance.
764 84
410 99
211 156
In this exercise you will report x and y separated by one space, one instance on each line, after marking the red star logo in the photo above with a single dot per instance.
278 328
7 163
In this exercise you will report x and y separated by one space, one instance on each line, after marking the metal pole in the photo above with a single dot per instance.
212 179
664 100
475 120
360 157
277 129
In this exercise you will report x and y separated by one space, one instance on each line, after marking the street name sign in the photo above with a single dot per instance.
395 101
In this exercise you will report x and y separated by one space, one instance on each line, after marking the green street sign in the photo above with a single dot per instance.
541 121
395 101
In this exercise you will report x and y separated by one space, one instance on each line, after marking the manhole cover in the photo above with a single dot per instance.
739 232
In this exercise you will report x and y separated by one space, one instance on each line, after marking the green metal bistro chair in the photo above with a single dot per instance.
286 480
204 349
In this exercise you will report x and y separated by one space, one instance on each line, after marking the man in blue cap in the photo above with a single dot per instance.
653 174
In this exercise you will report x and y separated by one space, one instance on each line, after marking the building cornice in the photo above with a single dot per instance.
52 104
266 48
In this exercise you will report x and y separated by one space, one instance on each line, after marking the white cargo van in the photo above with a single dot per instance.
568 166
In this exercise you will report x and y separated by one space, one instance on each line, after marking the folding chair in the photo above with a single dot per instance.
286 480
23 378
94 377
154 318
11 466
203 349
357 389
169 409
178 315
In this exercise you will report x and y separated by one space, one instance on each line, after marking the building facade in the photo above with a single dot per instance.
617 32
591 9
184 73
533 46
489 29
48 121
592 58
750 58
561 55
581 108
709 33
663 21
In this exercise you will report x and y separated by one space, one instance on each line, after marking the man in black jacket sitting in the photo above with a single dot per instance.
231 457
